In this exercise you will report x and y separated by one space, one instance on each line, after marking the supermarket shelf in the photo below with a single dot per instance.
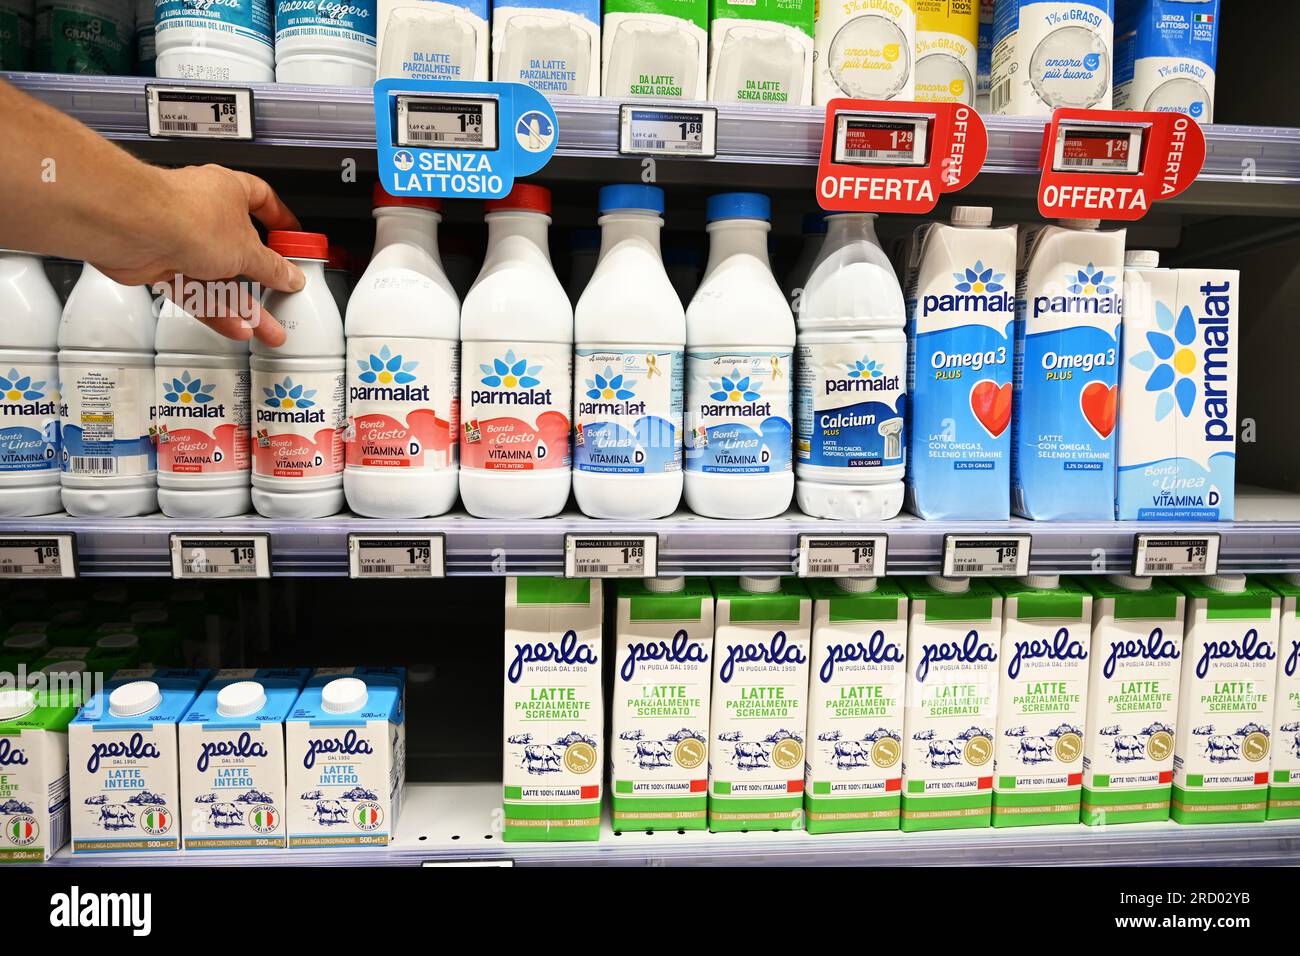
454 823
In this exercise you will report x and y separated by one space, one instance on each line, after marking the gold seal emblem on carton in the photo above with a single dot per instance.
1068 748
787 754
885 752
579 757
978 751
689 753
1255 747
1161 745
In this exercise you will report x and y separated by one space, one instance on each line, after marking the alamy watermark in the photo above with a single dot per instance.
240 298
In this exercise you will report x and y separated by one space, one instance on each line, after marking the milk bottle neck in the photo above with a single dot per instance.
631 230
412 227
518 237
851 227
737 237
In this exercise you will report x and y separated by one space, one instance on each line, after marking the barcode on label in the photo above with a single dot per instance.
93 466
643 143
177 126
379 568
429 136
11 569
868 153
1000 95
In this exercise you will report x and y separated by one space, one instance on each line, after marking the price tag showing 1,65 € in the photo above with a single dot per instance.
395 556
1161 554
37 555
611 556
841 556
221 557
986 555
199 112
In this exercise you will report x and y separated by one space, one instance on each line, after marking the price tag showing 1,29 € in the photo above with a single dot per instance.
841 556
221 557
690 132
37 555
986 555
199 112
1161 554
396 556
611 556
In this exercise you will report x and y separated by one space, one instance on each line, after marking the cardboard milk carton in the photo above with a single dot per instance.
34 773
1052 53
857 679
432 39
1284 782
663 671
1165 55
656 48
761 51
953 647
1225 703
554 713
551 45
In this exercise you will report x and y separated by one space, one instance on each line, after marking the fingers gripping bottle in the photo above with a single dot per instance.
298 404
852 379
29 388
631 332
106 386
740 342
403 328
516 384
201 419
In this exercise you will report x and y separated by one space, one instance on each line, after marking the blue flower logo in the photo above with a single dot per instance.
610 386
1090 281
511 372
979 279
386 368
1170 361
866 368
188 390
732 389
288 395
19 388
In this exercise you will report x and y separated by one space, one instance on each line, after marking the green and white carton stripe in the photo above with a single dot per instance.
741 70
1284 780
34 775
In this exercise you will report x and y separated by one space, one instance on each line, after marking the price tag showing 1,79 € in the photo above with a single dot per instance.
986 555
395 556
690 132
199 112
841 556
611 556
221 557
1161 554
37 555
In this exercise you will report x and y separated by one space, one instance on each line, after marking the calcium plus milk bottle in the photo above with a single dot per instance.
630 332
106 360
516 384
225 42
201 402
325 44
298 393
865 49
1069 309
740 344
851 387
1052 53
947 50
1284 779
403 326
29 388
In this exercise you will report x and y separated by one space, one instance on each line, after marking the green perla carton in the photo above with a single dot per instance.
759 719
655 48
857 680
761 51
34 773
953 648
1042 701
1284 780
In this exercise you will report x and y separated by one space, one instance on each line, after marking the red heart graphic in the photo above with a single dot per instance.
992 406
1099 403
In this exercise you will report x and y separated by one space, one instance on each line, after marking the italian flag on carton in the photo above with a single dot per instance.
1284 780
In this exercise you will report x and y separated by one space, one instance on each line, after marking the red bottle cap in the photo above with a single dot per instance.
524 196
299 245
381 197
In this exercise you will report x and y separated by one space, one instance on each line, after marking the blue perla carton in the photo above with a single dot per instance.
372 674
432 39
123 756
1165 54
344 746
551 45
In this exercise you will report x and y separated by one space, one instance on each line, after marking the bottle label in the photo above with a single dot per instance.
249 19
105 417
299 424
352 20
403 403
516 397
738 412
202 420
29 418
851 398
628 411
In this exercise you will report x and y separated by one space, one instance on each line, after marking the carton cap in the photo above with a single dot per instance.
759 585
343 696
117 642
856 585
27 641
1142 259
665 585
1227 583
1041 582
134 699
16 703
948 585
1129 583
972 215
241 698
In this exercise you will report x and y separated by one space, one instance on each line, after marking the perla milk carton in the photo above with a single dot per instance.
868 49
432 39
123 756
954 638
663 673
1225 702
857 677
34 773
961 281
1165 54
554 713
1284 782
1042 701
343 767
1052 53
761 51
1069 306
551 45
1135 665
947 50
1177 445
760 698
657 48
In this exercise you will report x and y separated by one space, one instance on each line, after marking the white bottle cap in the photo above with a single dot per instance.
972 215
120 641
1129 582
1142 259
856 585
948 585
16 703
1227 583
1081 223
30 641
759 585
134 699
64 667
1041 582
1292 577
344 696
665 585
241 698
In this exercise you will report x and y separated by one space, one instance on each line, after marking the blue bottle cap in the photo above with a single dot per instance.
631 196
738 206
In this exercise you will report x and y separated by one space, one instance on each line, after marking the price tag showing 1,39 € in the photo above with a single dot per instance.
1161 554
611 556
221 557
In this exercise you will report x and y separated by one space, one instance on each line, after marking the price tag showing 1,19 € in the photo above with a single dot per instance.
221 557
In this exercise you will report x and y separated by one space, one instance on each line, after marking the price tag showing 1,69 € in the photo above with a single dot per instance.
690 132
38 555
611 556
221 557
396 556
841 556
1161 554
199 112
986 555
460 122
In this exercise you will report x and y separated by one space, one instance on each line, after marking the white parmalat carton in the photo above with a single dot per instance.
656 48
554 713
1165 55
1042 701
1284 782
432 39
663 673
551 45
761 51
1135 666
1177 446
1225 703
856 685
344 768
953 647
759 719
867 49
34 773
1052 53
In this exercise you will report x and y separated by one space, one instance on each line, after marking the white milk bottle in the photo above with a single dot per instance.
740 343
516 384
866 49
228 41
851 385
947 50
325 44
29 388
630 332
298 393
814 236
1284 779
201 398
1052 53
403 326
106 383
